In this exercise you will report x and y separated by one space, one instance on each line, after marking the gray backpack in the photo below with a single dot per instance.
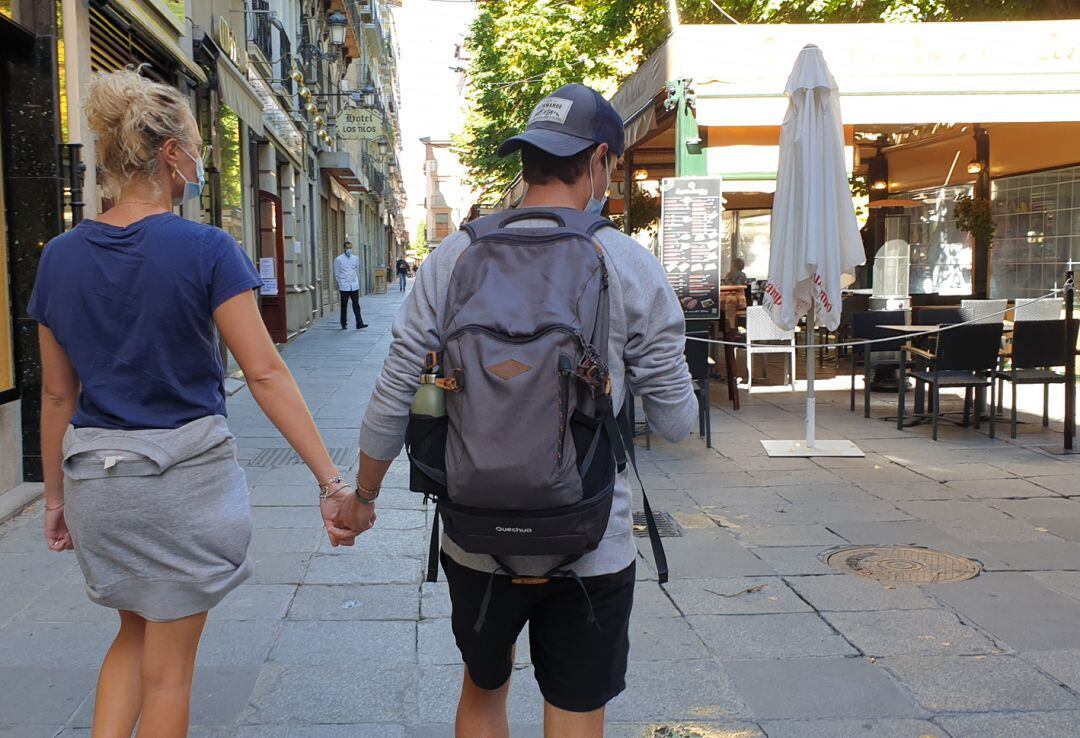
525 460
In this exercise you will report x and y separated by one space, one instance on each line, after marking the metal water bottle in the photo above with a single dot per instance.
430 399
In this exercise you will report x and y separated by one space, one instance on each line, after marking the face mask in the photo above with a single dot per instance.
348 252
193 190
597 206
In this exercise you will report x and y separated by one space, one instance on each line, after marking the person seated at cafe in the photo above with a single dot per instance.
737 275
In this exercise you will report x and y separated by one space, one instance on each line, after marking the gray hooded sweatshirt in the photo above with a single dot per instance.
647 331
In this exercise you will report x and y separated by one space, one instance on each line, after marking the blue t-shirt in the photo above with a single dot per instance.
132 307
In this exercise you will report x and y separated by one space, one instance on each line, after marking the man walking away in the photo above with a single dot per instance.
578 612
402 272
347 274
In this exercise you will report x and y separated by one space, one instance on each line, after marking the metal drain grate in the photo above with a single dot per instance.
664 523
904 564
271 457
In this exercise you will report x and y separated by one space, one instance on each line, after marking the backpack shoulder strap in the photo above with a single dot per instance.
568 218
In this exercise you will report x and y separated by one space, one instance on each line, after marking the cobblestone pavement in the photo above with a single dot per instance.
754 635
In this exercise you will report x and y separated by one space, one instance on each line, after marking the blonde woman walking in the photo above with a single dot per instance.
141 476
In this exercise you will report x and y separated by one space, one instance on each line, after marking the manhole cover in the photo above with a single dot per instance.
271 457
907 564
665 524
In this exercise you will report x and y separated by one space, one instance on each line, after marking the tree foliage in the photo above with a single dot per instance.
523 49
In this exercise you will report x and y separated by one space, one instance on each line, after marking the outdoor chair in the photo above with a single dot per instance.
1035 309
1038 348
850 303
983 311
966 356
763 336
868 326
697 359
936 315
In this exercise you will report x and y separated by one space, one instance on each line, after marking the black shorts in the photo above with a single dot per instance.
579 666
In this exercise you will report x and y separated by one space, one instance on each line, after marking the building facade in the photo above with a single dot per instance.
267 81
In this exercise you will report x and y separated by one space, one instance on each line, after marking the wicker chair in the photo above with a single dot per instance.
763 336
1037 309
983 311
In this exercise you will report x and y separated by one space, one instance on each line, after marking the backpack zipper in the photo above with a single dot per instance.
518 339
566 369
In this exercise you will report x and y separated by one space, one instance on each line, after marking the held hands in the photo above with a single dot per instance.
329 508
355 516
345 517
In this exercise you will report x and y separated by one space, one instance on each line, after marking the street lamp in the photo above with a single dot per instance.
367 95
337 24
384 146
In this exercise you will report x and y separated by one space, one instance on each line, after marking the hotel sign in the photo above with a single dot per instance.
360 124
232 48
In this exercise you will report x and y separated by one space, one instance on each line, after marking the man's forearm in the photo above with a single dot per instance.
372 471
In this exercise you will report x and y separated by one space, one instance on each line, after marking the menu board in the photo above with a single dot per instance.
691 231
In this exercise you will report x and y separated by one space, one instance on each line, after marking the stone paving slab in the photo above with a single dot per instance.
796 635
1012 725
852 729
820 688
979 684
734 596
1017 609
847 594
909 632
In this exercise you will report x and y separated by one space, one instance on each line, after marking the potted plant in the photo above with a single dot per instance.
975 216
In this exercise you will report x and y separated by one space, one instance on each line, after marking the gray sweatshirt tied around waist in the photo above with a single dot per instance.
160 518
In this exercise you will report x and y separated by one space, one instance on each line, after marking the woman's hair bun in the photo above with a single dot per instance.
132 117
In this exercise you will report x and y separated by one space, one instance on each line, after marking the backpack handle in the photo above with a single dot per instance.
566 218
526 214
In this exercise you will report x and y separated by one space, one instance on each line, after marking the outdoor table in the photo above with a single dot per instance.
920 398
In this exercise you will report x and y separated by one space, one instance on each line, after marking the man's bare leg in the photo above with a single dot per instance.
564 724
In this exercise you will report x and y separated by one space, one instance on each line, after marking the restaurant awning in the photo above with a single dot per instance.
903 73
239 95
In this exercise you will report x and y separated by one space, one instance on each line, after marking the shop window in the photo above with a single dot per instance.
1038 232
232 181
941 255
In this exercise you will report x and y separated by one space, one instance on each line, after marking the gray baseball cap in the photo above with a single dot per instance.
568 121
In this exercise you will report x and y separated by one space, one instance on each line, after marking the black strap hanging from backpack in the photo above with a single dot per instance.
625 434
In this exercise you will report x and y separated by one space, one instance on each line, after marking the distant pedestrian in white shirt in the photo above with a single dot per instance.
347 274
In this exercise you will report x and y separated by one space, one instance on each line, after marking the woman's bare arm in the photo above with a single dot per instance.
273 387
59 394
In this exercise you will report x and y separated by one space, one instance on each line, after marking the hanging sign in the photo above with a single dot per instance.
691 231
360 124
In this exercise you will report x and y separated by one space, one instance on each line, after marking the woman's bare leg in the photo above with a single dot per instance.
168 666
119 687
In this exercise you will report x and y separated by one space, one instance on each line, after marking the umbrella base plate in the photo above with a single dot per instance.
820 448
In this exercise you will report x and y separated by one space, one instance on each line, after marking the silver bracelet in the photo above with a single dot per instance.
332 487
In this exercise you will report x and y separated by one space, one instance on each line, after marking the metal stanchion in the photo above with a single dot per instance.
1070 364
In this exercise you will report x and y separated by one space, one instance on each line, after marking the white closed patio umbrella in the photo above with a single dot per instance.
815 239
